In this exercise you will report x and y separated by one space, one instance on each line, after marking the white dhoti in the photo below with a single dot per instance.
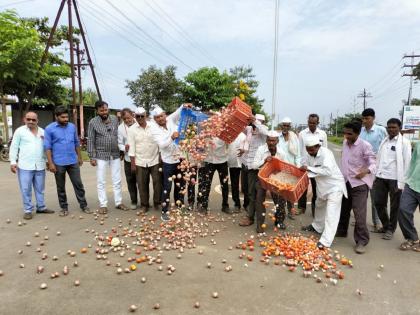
327 216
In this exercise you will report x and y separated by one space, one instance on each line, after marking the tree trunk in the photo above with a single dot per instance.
4 115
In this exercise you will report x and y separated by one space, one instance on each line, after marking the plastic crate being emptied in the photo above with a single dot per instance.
276 165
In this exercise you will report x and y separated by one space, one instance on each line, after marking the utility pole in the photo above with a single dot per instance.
330 126
336 125
412 65
364 95
71 6
79 54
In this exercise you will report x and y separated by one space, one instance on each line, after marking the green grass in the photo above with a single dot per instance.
335 140
85 156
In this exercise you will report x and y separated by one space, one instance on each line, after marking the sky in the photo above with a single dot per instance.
329 50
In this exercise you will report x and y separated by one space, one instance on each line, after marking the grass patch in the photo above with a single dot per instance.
335 140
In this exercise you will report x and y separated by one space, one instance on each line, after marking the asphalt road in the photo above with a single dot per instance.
250 288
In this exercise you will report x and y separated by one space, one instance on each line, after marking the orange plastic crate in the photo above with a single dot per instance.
239 114
275 166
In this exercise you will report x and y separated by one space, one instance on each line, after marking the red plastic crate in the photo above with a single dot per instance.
276 165
239 115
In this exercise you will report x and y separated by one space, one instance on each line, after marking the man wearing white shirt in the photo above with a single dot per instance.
330 185
312 130
289 142
264 154
393 161
144 159
234 164
216 160
128 121
256 134
164 131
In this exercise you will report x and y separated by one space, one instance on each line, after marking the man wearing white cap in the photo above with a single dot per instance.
256 134
289 142
164 131
330 186
264 154
312 130
144 159
128 120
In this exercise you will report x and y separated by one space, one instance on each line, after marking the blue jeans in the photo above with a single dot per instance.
26 180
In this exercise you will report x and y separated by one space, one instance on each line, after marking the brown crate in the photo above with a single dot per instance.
276 165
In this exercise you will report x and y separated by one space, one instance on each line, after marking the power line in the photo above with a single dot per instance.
14 3
148 36
387 74
191 52
170 20
114 28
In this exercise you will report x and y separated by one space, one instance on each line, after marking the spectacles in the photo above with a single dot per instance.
31 119
140 116
286 125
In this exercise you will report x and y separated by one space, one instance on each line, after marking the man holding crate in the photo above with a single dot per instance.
264 154
330 186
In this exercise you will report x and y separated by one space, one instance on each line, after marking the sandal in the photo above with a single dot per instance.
380 230
64 213
123 207
103 210
416 246
408 244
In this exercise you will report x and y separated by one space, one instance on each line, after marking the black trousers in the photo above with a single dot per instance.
410 200
234 174
279 204
383 188
131 182
206 177
244 185
60 180
143 180
303 200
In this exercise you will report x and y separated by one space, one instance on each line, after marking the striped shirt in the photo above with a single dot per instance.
103 139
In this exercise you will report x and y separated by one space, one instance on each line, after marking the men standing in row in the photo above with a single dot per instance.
374 134
62 147
103 152
358 165
27 159
144 159
289 143
394 157
312 130
216 160
263 155
256 134
330 187
128 121
234 164
410 201
164 131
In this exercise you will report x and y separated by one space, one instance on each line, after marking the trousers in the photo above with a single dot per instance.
131 179
357 200
410 200
234 174
60 180
101 167
206 174
170 170
279 204
327 216
27 179
143 181
383 188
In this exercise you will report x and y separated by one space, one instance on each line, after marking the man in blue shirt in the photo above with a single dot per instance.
374 134
62 147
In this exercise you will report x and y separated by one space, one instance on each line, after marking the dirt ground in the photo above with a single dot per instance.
250 288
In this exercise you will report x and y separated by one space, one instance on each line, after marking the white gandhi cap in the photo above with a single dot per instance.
311 141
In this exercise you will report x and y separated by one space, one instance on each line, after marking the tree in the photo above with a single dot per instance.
339 122
20 54
245 87
208 88
156 86
89 97
415 102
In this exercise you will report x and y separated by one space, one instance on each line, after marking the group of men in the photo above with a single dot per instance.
374 159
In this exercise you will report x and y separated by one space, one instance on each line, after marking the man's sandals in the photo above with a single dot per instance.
409 244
